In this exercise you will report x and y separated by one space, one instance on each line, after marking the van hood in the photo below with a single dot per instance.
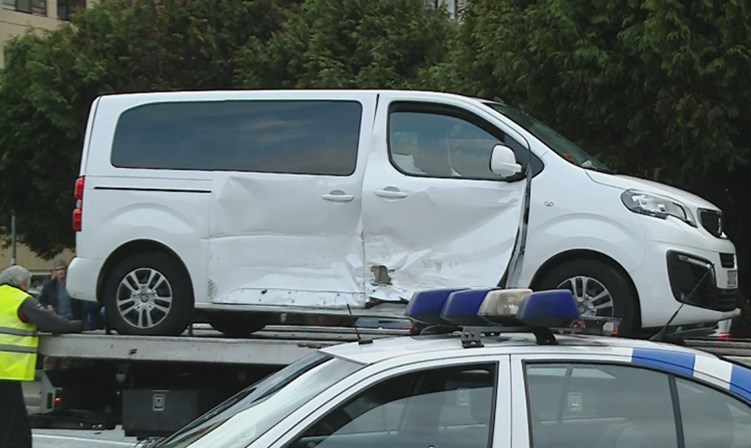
634 183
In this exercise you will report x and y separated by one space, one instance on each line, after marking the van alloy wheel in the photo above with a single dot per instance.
144 298
592 297
600 289
148 293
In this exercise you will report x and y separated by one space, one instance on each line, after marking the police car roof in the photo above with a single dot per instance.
448 345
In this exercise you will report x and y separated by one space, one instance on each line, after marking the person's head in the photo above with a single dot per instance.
59 270
17 276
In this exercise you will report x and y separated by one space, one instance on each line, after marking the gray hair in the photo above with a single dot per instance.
15 276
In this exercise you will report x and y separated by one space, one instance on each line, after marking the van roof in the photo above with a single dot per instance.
286 93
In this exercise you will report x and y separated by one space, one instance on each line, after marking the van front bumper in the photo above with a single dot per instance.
670 272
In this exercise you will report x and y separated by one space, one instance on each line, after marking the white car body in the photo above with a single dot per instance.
517 411
273 241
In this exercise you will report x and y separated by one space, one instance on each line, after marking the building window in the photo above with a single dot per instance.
67 9
36 7
454 7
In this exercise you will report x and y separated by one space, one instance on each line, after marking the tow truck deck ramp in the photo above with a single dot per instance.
276 345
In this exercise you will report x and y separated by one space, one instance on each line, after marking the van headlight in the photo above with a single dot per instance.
657 206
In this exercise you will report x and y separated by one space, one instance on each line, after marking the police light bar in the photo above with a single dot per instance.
462 307
426 306
492 306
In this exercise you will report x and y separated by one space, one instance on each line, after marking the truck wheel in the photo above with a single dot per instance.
238 325
148 294
599 289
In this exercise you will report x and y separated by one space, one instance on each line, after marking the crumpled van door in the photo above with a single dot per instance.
433 213
285 227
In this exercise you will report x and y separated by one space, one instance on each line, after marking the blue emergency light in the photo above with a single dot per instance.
551 309
425 306
492 306
462 306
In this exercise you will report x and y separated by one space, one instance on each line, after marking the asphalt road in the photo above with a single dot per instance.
76 438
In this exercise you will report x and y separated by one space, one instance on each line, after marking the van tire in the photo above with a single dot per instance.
149 285
601 278
237 325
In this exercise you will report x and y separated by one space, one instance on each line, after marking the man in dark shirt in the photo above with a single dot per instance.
20 318
55 296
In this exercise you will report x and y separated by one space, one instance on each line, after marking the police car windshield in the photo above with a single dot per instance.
250 413
555 141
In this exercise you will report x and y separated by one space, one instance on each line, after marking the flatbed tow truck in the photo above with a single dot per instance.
153 385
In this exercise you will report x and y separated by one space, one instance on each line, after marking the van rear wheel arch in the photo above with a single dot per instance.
601 275
124 282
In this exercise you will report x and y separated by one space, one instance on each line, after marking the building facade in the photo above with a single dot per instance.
19 16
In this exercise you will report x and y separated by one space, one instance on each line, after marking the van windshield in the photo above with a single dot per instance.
251 412
555 141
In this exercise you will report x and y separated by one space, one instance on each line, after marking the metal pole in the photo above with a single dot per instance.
12 238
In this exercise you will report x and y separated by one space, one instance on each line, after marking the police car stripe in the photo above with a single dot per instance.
740 382
677 362
711 369
734 377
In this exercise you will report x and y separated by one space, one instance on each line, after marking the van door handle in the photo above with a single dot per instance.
337 196
390 193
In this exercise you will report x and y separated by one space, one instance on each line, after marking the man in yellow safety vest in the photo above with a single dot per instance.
20 318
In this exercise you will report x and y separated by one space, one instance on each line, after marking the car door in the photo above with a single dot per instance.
433 212
647 398
285 222
461 403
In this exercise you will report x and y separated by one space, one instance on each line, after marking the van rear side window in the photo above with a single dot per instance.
297 137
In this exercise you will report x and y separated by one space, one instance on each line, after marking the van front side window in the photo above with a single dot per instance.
296 137
437 145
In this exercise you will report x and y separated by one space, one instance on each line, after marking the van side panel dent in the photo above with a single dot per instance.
452 250
275 240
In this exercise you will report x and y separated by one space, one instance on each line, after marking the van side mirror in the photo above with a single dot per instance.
503 162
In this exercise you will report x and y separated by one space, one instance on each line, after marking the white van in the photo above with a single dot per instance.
240 205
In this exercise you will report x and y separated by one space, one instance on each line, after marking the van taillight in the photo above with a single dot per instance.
78 194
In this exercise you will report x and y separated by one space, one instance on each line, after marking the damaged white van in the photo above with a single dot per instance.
236 206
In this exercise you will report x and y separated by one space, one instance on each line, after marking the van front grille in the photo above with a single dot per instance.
694 278
727 260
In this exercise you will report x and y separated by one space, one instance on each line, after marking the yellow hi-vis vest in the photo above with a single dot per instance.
18 340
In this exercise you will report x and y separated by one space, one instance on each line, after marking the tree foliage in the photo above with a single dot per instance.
348 44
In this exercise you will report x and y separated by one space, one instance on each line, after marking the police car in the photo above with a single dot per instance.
493 368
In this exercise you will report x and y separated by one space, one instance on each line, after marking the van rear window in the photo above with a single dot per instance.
297 137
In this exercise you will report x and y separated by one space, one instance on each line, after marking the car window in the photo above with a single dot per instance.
431 143
247 415
712 418
599 405
447 407
297 137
